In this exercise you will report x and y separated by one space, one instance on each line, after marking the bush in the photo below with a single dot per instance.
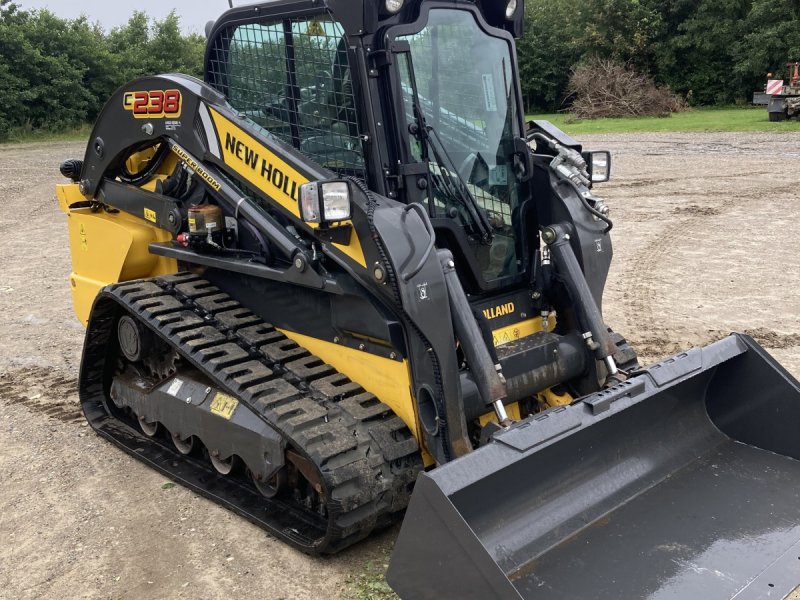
606 88
57 74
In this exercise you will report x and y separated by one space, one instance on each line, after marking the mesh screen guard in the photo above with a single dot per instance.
291 77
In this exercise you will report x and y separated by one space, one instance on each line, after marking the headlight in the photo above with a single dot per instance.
394 6
600 166
325 202
511 8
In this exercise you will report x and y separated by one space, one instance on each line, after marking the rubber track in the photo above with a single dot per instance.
367 456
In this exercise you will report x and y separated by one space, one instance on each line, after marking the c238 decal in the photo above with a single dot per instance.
155 104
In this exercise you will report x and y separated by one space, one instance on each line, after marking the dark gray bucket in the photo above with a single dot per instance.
682 483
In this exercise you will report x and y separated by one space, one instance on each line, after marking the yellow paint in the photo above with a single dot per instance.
315 28
83 238
551 399
517 331
107 248
353 250
257 165
511 409
69 194
389 380
138 161
223 405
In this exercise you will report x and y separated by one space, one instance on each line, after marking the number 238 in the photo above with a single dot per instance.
158 103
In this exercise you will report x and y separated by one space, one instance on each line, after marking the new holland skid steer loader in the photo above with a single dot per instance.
343 268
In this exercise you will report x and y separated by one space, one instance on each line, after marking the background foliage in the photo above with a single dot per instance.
712 52
57 73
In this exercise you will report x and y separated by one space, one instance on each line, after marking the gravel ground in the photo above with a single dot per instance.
707 241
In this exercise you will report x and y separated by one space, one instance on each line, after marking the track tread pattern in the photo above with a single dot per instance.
366 455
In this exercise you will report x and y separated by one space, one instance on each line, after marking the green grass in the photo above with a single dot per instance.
26 135
370 584
695 120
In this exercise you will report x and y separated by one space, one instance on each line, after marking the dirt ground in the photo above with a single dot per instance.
707 241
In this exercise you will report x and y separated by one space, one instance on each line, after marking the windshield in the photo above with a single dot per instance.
464 80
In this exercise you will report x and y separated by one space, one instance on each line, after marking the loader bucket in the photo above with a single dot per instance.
682 483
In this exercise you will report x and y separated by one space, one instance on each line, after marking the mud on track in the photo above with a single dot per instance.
707 241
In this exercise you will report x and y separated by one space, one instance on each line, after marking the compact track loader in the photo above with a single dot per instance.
343 268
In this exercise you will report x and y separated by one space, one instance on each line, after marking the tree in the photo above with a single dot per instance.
622 30
548 51
35 48
560 34
171 52
12 86
145 48
56 73
696 56
771 39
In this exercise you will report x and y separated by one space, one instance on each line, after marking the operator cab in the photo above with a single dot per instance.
435 87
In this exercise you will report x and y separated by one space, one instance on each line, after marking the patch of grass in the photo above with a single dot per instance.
370 584
25 135
695 120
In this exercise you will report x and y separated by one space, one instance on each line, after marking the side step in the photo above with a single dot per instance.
683 482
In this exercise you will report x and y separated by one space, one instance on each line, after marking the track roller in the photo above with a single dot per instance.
184 446
149 428
270 488
223 467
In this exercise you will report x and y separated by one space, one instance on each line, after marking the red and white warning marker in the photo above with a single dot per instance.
774 86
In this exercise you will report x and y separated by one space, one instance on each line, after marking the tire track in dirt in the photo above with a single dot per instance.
44 391
651 338
674 144
773 339
641 182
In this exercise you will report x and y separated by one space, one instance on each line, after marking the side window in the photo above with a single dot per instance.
293 79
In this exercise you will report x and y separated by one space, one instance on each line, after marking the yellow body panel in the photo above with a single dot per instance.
389 380
107 248
138 161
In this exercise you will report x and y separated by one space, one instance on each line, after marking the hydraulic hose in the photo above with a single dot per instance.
588 206
147 173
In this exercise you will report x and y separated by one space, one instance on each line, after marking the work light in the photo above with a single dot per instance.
511 8
325 202
394 6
